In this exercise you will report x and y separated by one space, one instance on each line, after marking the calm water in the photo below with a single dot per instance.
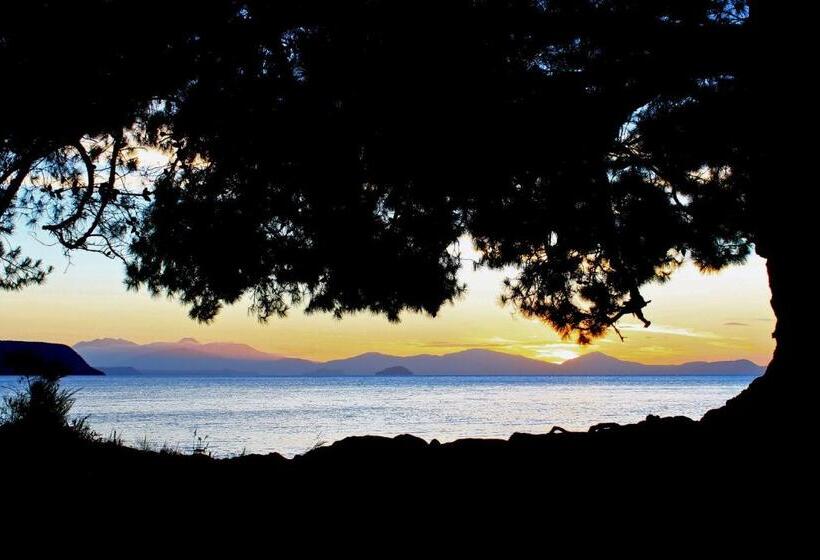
289 415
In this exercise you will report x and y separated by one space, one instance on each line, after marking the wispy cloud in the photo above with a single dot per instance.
735 324
560 354
732 343
493 342
557 351
654 349
564 345
668 330
459 344
554 352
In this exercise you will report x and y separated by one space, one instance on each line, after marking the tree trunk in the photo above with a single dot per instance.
779 206
777 399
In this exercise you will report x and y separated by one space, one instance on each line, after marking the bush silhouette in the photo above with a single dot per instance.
41 405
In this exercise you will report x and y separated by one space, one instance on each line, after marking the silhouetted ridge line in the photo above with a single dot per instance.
168 358
41 358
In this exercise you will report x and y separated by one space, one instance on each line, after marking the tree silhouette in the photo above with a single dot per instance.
332 154
79 82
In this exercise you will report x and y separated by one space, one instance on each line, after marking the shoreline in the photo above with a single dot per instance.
154 374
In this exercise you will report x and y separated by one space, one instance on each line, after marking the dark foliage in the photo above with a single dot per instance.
41 406
332 154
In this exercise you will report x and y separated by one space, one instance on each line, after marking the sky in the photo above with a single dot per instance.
722 316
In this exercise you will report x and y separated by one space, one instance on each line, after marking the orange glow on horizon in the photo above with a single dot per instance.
713 317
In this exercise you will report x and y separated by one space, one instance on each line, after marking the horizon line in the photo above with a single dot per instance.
276 356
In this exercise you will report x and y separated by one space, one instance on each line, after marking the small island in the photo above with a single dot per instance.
395 371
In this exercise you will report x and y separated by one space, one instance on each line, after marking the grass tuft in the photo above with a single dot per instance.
42 406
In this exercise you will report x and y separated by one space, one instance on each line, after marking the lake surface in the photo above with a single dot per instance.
292 414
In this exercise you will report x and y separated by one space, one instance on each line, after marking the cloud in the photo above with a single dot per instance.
668 330
735 324
446 344
562 345
557 353
654 349
490 343
723 343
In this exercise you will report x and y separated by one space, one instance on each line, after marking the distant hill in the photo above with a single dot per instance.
467 362
486 362
597 363
189 357
395 371
33 358
184 346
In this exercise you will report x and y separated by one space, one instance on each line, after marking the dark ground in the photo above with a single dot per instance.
713 477
662 463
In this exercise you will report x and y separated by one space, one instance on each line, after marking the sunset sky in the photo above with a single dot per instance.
694 317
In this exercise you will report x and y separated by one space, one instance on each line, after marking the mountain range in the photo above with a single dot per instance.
187 356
